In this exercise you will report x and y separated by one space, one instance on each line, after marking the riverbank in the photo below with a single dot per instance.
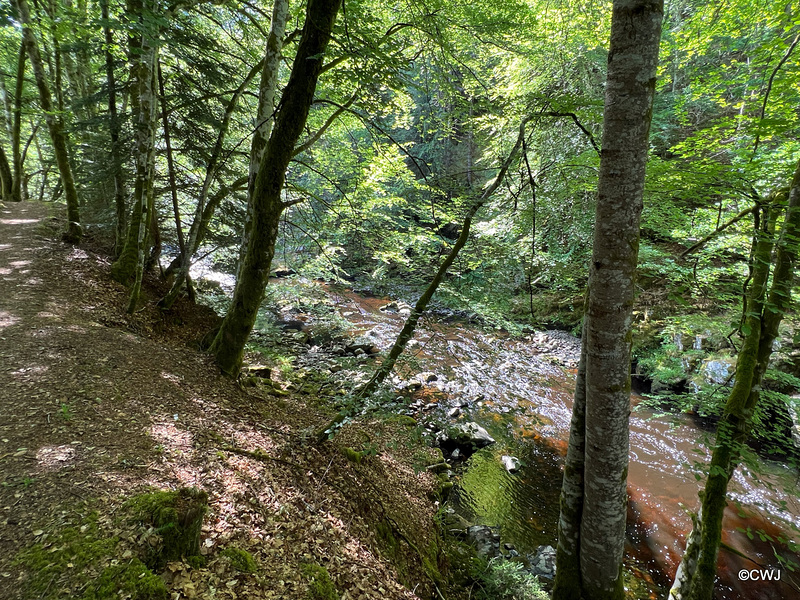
99 407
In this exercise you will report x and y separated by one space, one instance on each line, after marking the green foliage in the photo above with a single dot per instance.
500 579
664 365
241 559
320 585
71 558
132 578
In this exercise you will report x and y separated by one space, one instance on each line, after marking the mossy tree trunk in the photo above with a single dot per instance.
16 142
54 123
695 576
6 178
6 173
594 492
265 113
267 204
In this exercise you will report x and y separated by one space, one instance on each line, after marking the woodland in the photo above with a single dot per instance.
339 300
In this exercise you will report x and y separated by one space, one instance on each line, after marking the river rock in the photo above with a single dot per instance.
396 307
290 324
426 377
485 540
718 371
261 371
511 463
359 347
543 562
468 437
283 271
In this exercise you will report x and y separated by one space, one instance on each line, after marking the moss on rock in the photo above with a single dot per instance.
353 455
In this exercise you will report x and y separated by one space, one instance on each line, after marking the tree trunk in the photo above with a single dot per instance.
267 205
197 228
6 177
266 107
114 128
171 173
73 233
16 136
598 519
695 576
129 266
568 573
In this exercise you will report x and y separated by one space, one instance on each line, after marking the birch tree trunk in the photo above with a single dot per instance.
694 579
129 267
266 107
74 232
114 129
267 204
593 523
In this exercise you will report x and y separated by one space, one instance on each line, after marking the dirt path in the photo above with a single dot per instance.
95 406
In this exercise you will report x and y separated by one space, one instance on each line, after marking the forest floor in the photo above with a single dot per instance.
97 406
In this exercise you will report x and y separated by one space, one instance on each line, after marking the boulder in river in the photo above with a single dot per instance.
485 540
511 463
396 307
543 562
357 347
468 437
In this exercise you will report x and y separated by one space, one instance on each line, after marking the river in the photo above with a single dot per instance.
521 391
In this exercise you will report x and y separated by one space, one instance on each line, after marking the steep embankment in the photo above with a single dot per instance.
96 407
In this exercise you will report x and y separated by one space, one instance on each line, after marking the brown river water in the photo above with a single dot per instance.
523 396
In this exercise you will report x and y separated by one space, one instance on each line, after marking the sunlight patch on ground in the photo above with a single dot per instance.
170 437
19 263
77 254
55 457
171 377
7 319
46 315
38 369
18 221
4 246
